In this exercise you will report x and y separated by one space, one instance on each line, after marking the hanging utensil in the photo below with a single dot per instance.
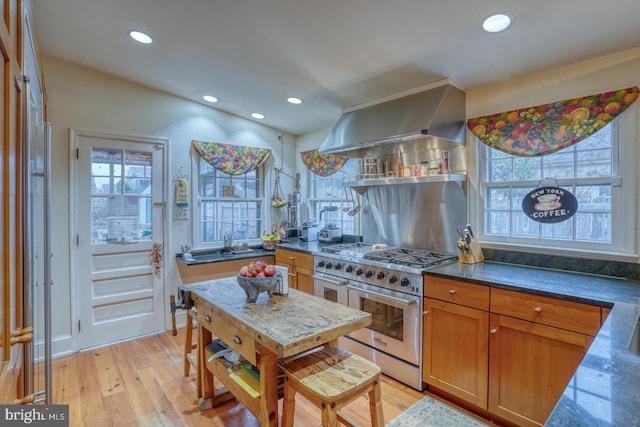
356 208
346 197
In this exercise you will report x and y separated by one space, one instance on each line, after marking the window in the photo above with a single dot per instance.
329 191
227 205
590 170
120 195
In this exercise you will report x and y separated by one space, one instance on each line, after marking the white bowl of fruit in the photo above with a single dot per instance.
257 277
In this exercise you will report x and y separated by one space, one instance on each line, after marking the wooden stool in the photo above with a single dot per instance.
331 378
189 345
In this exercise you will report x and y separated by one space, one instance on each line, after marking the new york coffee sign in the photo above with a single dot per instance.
549 204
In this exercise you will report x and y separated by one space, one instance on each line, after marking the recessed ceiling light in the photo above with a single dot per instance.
257 116
496 23
294 100
140 37
210 98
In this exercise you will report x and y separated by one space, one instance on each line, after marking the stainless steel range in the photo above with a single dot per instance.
386 282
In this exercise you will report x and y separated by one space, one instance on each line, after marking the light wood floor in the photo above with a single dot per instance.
141 383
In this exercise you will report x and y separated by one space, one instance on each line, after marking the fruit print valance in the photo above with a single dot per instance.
322 164
545 129
232 159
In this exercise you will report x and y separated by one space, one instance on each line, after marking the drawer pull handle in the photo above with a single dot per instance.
538 309
207 318
452 291
237 340
293 274
291 258
493 331
425 312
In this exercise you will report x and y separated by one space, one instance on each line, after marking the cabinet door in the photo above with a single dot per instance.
456 353
304 278
529 368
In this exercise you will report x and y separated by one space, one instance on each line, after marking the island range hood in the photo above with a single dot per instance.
437 114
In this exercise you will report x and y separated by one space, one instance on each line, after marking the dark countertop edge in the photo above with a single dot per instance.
529 290
609 349
255 253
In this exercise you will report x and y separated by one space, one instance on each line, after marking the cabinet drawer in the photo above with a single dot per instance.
236 339
476 296
299 259
569 315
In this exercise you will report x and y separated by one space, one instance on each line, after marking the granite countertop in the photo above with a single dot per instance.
605 390
286 325
209 256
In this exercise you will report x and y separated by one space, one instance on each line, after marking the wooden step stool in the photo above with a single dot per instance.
331 378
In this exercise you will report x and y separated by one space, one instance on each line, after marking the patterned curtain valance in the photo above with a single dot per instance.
322 164
545 129
232 159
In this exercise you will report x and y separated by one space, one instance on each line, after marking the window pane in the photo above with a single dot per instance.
594 197
594 163
560 230
558 165
526 168
498 198
594 227
106 171
500 170
522 226
497 223
99 219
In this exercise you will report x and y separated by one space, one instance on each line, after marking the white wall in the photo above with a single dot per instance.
85 99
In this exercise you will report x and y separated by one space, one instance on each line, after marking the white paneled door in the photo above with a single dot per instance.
119 219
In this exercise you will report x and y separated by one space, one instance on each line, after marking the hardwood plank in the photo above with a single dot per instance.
152 390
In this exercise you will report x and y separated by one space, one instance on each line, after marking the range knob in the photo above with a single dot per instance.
393 279
359 271
405 282
349 268
380 275
320 264
338 266
368 274
329 265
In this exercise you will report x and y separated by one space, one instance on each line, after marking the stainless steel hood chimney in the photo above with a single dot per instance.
438 113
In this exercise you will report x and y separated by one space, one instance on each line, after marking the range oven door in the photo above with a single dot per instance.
331 288
395 327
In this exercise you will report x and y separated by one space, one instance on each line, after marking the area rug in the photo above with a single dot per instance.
430 412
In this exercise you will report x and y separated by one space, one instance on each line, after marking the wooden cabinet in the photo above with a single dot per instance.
15 332
529 367
300 267
456 321
536 343
194 273
507 352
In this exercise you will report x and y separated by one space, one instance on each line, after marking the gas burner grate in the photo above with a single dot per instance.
410 257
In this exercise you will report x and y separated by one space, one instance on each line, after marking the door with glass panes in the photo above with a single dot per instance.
120 216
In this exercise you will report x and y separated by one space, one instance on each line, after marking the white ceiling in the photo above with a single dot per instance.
253 54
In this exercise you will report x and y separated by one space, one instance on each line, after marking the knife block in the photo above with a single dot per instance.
473 256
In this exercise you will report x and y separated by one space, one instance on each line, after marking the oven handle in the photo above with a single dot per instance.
325 278
389 297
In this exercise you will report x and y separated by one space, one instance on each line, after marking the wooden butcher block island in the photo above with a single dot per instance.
263 332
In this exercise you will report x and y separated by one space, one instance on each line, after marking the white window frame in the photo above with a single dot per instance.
624 204
336 200
196 209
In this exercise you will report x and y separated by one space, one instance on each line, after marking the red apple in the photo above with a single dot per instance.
244 271
269 270
261 275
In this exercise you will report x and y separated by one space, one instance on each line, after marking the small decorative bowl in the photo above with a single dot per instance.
252 286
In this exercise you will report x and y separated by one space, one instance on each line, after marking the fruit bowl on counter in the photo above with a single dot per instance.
269 241
258 277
